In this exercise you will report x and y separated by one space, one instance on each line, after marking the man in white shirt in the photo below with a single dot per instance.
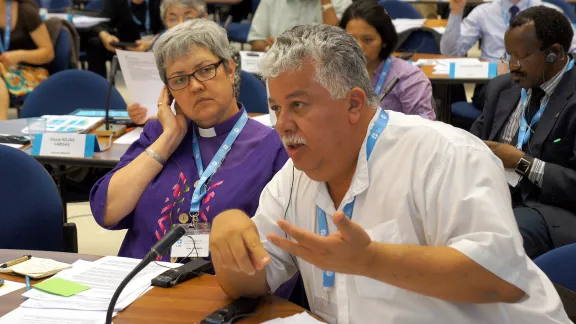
273 17
488 21
432 237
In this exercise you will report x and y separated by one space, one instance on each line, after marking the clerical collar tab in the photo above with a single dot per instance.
207 132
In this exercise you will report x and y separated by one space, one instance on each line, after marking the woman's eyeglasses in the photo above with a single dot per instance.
203 74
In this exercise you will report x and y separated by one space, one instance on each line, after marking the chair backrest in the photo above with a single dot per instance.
94 5
399 9
567 8
419 41
66 91
30 208
255 4
56 6
560 265
62 52
253 93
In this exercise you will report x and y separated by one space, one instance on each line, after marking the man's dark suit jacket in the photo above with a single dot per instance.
556 200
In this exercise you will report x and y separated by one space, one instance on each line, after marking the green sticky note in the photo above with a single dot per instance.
61 287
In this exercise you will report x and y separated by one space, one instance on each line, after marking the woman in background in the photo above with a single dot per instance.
173 13
370 24
27 46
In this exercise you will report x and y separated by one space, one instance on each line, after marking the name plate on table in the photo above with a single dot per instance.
469 70
65 145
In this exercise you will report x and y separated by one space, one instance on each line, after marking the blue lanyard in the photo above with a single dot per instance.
505 14
137 21
375 132
383 75
204 175
524 131
6 45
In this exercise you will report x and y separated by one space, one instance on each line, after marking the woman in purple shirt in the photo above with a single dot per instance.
370 24
155 182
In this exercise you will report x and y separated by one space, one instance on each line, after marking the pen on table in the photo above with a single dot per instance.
27 283
557 140
16 261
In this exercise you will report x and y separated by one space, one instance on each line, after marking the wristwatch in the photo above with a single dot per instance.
327 6
524 165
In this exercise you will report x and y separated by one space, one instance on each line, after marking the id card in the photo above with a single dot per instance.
194 244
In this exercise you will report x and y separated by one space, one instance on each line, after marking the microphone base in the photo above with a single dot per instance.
113 129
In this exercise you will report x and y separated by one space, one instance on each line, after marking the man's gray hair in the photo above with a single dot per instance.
198 5
181 40
340 63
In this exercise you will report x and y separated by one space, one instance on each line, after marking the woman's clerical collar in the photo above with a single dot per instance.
223 128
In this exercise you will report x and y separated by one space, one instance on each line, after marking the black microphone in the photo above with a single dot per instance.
108 130
160 248
157 251
389 88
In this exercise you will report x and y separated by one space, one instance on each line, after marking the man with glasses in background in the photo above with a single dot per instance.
529 122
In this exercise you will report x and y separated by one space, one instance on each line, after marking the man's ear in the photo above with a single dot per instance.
558 50
357 102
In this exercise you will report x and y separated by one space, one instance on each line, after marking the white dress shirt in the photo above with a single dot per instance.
426 183
273 17
487 22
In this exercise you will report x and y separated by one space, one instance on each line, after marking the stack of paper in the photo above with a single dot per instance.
79 21
404 24
442 66
90 306
130 137
36 268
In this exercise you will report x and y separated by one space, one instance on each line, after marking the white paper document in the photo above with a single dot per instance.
249 61
37 300
302 318
22 315
10 286
130 137
404 24
142 78
79 21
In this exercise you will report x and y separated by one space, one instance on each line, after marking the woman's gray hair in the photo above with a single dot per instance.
181 40
340 63
198 5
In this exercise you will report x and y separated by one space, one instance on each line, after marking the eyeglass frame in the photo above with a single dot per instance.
190 75
518 63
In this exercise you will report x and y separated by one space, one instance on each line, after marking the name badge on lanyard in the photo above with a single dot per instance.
328 277
382 76
524 131
147 19
204 176
7 29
